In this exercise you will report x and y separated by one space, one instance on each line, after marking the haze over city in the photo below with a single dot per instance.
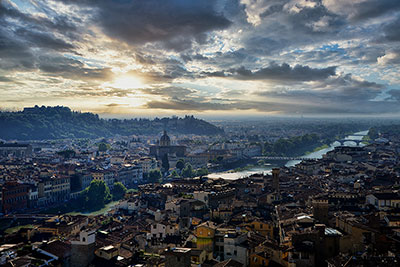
208 58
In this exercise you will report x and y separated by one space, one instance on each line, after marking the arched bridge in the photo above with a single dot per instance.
284 158
342 141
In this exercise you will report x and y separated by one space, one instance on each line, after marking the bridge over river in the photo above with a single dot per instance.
355 138
284 158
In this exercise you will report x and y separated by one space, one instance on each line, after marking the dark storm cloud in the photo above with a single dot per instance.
72 69
176 23
315 20
14 54
337 89
373 8
61 24
29 43
278 72
25 38
43 40
231 59
285 72
346 87
392 31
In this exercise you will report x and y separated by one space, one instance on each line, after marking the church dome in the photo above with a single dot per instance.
165 140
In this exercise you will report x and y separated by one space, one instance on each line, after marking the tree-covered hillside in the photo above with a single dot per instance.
60 122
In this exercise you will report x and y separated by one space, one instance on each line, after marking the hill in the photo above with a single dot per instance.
38 123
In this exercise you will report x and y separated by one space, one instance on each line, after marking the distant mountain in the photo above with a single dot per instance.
38 123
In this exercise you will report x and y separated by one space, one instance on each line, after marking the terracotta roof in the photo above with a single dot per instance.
57 248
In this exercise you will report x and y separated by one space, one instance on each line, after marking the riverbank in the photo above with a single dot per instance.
268 166
75 208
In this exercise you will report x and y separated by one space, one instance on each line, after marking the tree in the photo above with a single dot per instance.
180 164
66 153
97 194
174 174
187 171
118 191
103 147
165 162
202 172
154 176
373 133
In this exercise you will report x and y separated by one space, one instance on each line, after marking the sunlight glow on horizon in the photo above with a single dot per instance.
126 82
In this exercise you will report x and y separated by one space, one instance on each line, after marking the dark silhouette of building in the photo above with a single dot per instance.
15 150
275 179
15 196
165 147
177 257
320 210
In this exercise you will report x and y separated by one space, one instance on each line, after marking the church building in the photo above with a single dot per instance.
164 147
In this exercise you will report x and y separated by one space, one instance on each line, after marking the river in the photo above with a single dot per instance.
267 168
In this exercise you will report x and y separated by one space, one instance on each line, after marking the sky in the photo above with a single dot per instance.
223 57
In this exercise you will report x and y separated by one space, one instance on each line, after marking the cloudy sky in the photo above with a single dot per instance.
164 57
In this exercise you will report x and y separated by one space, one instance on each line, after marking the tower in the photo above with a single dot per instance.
320 210
165 140
275 179
82 250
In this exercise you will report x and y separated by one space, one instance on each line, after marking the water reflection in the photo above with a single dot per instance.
267 168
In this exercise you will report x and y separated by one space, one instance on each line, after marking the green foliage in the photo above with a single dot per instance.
119 191
103 147
132 190
188 172
154 176
165 163
67 154
296 145
180 164
202 172
174 174
373 133
59 122
97 194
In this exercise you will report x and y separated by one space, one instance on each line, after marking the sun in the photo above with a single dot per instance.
127 82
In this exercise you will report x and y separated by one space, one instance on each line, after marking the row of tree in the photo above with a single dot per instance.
39 123
183 170
293 146
97 194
